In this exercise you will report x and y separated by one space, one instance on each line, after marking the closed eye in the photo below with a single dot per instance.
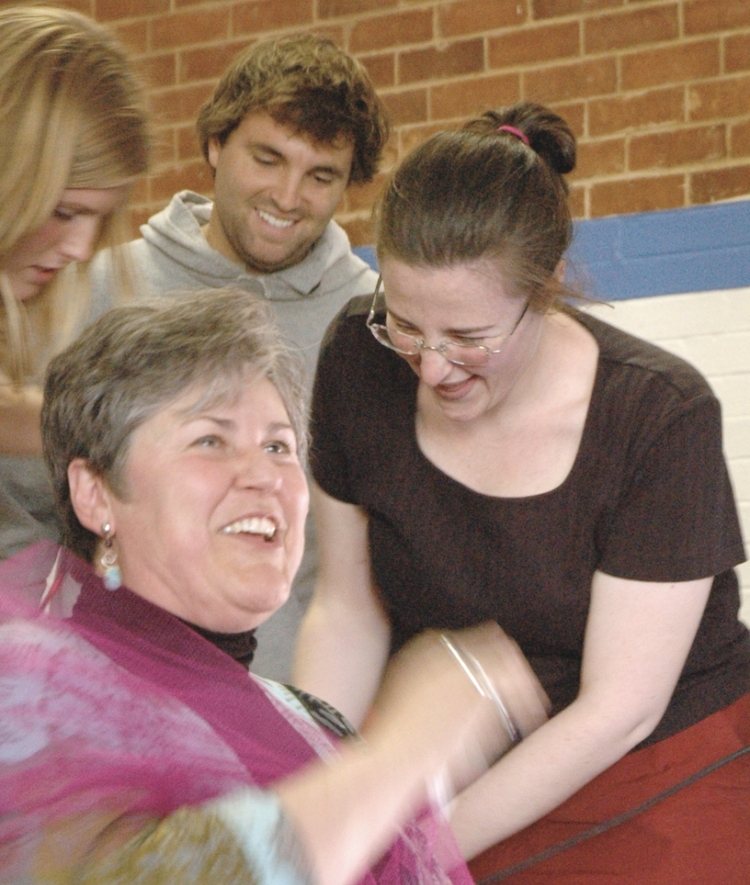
402 328
266 159
469 342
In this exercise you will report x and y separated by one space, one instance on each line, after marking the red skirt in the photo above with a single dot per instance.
698 834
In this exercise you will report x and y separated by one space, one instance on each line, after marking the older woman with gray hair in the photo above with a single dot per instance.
135 746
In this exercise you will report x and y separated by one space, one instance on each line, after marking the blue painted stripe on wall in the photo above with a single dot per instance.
657 253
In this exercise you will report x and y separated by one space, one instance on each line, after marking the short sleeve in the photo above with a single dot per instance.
336 398
676 518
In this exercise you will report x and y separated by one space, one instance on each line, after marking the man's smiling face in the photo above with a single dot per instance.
275 192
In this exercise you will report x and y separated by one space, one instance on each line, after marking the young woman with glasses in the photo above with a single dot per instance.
485 450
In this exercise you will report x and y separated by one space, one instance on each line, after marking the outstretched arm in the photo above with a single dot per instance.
344 639
329 821
638 637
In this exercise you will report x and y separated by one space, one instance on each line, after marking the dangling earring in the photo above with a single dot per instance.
112 576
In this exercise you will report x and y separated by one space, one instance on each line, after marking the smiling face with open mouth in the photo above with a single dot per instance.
275 191
211 522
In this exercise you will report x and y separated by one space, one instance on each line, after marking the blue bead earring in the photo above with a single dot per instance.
112 576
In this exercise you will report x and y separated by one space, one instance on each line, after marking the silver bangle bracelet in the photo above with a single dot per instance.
480 680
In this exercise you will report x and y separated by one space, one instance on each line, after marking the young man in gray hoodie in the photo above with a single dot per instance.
292 122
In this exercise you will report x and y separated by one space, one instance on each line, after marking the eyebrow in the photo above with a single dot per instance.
330 170
78 208
459 333
229 423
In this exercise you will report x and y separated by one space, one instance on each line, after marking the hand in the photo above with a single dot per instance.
433 708
509 672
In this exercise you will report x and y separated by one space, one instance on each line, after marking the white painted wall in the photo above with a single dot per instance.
712 331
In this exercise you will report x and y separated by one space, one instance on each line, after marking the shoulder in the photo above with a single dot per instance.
342 267
348 328
635 364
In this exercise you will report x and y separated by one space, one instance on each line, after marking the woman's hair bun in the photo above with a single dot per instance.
548 133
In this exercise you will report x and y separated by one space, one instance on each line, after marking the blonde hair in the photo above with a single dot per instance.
72 115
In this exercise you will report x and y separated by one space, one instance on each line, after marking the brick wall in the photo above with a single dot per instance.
657 90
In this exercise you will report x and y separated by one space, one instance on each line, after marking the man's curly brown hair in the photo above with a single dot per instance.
305 82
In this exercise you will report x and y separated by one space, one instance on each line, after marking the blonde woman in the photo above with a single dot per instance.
73 137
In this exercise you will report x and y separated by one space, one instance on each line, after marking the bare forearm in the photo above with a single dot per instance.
347 814
341 654
538 775
19 420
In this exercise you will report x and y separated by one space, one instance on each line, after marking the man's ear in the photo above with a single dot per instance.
214 149
89 496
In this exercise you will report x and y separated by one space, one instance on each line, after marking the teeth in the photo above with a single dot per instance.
274 221
255 525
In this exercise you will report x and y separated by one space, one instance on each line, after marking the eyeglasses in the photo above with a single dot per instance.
460 353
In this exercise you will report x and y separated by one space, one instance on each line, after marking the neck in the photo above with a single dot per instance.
239 646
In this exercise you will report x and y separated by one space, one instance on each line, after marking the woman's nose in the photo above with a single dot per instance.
80 238
257 470
433 368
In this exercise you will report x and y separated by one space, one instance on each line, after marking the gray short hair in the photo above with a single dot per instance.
137 359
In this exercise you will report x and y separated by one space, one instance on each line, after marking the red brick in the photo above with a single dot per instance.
644 194
179 105
359 230
739 140
84 6
133 35
565 82
465 57
527 46
468 98
621 112
269 15
390 155
553 8
410 138
599 158
574 114
719 99
407 106
471 16
706 16
110 10
720 184
186 28
208 62
136 217
391 30
685 61
163 151
577 201
737 53
662 150
622 29
334 8
138 191
381 68
360 197
159 71
187 145
191 176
